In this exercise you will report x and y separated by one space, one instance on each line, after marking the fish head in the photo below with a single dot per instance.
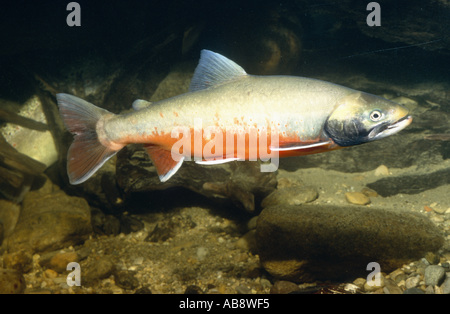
361 117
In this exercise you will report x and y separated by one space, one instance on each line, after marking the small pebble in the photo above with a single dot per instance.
126 280
202 252
413 291
434 275
381 171
357 198
432 258
59 262
359 282
243 290
412 282
390 287
284 287
373 286
248 241
369 192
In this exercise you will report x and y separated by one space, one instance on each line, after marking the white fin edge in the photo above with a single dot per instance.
216 162
172 171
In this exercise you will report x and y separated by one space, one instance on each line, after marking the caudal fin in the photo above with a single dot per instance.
86 154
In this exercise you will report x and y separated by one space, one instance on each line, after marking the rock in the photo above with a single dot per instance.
97 270
193 290
18 173
50 220
60 260
294 195
248 241
432 258
241 182
29 141
446 286
284 287
390 287
319 242
434 275
21 261
143 290
359 282
412 282
241 289
413 291
9 215
369 192
381 171
11 282
411 183
372 286
202 253
357 198
126 280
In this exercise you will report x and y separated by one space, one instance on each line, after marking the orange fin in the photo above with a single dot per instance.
86 154
165 165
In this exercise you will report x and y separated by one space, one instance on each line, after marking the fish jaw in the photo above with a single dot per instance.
392 128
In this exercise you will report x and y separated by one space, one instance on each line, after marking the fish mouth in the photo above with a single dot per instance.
387 130
400 124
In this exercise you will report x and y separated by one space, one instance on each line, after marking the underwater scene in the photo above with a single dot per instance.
225 147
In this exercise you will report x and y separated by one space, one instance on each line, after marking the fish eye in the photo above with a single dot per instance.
376 115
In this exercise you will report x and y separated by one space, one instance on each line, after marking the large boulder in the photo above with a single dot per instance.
314 242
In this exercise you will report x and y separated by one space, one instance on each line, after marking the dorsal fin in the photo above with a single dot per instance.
140 104
214 69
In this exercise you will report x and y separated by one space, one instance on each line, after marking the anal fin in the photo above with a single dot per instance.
165 165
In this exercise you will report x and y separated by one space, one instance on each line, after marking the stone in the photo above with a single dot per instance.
9 215
20 260
445 287
413 291
390 287
372 285
324 242
434 275
60 260
11 282
432 258
126 280
357 198
248 241
192 289
294 195
381 171
284 287
50 220
97 270
29 141
412 282
18 173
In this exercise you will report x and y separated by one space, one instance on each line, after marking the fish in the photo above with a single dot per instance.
229 115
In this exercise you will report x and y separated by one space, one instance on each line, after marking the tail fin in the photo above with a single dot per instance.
86 154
